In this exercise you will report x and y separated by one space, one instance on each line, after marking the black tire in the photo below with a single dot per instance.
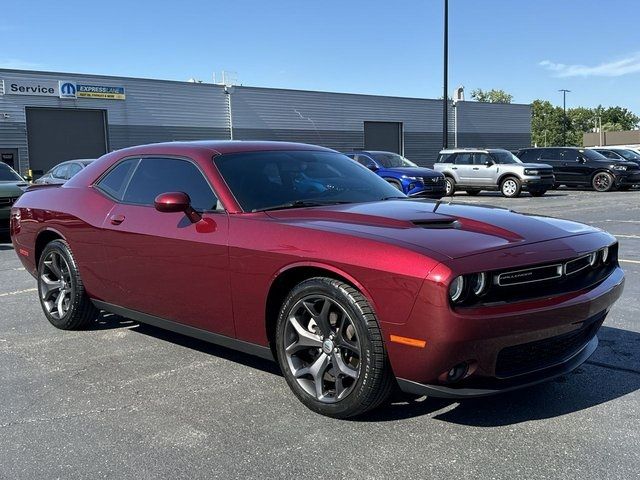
395 183
624 188
473 193
450 186
603 182
511 187
77 311
555 186
537 193
371 388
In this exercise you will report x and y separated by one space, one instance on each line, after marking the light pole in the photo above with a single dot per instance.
445 102
564 117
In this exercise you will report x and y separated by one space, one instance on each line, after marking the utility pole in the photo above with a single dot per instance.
564 118
445 100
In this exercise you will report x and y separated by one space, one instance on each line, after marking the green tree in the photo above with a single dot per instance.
491 96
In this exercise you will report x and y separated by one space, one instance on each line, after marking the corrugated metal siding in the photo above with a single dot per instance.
159 110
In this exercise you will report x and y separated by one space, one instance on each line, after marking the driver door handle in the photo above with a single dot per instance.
454 168
476 168
116 219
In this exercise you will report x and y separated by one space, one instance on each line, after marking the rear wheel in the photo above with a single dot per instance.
511 187
602 182
60 288
473 193
450 186
330 349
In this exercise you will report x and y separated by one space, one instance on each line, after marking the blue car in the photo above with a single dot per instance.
403 174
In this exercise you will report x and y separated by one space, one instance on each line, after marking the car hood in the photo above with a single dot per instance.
413 171
453 231
12 189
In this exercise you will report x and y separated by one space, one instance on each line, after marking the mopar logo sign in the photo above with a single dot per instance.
67 89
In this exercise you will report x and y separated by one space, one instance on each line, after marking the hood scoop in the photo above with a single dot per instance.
437 223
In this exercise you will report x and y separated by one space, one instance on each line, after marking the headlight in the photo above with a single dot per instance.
530 171
456 288
593 258
413 179
478 283
604 254
619 167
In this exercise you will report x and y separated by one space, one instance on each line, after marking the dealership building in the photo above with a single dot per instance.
47 117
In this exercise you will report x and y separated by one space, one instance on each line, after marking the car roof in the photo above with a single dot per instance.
223 146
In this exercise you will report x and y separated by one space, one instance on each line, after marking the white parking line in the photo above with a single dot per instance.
629 261
18 292
628 236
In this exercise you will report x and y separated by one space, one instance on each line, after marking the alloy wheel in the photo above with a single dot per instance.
322 348
602 182
449 186
509 187
55 285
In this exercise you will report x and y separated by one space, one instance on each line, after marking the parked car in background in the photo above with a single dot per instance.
618 153
474 170
402 173
351 288
12 186
63 171
583 167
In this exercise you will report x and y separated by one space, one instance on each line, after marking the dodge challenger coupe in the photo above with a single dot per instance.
297 252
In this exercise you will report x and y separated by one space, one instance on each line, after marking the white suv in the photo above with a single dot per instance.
474 170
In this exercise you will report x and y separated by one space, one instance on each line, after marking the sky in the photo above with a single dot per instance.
530 48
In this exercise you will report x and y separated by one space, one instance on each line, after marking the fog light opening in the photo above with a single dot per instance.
457 372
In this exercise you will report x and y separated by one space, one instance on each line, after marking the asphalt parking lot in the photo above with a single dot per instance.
130 401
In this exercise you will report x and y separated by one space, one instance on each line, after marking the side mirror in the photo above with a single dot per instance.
27 178
488 163
172 202
581 160
373 167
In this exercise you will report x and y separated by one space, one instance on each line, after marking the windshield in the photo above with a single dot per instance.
7 174
593 155
504 156
391 160
628 154
264 180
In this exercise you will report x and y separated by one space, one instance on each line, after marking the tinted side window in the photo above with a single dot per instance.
609 154
60 172
481 158
528 156
446 158
73 169
464 159
550 154
160 175
115 182
569 155
364 160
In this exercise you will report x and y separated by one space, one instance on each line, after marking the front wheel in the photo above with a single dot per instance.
330 349
602 182
450 186
60 288
511 187
396 184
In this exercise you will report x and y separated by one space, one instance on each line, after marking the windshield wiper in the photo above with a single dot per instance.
299 204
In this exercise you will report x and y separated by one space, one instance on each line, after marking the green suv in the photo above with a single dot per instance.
11 187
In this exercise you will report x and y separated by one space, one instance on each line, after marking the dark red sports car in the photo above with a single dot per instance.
297 252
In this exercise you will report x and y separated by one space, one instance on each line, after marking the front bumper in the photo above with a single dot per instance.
481 340
628 179
438 190
538 182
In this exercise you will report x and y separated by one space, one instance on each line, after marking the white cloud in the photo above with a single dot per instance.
16 64
623 66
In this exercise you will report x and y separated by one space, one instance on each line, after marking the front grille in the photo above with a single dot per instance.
529 357
433 180
4 201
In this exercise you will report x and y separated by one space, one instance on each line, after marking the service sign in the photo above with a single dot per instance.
67 89
42 88
100 91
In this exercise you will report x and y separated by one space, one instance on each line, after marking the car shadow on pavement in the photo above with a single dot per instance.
612 372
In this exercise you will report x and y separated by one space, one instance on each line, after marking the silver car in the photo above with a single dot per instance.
64 171
474 170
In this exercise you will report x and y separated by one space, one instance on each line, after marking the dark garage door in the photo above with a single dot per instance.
58 134
385 136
